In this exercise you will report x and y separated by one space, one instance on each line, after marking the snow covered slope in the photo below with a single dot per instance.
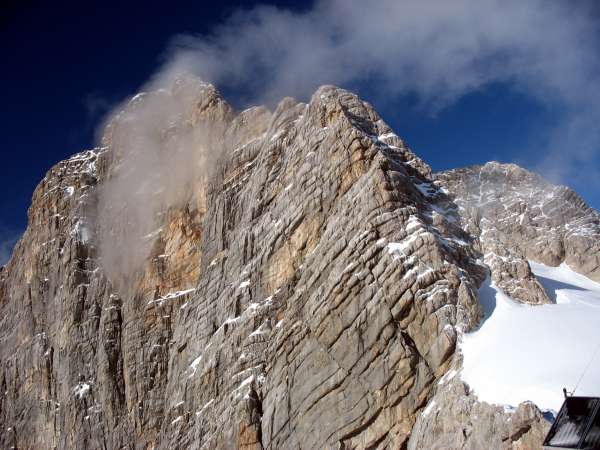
523 352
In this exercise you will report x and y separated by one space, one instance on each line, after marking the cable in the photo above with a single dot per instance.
586 369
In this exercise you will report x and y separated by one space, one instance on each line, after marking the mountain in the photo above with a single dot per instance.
295 278
516 216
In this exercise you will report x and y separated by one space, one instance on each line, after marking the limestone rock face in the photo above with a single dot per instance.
454 419
306 289
515 216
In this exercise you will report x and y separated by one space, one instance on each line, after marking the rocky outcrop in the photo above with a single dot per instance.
315 276
514 216
306 289
342 294
455 419
517 216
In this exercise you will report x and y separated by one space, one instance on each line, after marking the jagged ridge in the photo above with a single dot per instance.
308 293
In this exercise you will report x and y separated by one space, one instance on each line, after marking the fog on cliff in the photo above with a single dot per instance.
437 51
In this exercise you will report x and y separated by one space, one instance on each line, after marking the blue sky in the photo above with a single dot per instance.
66 65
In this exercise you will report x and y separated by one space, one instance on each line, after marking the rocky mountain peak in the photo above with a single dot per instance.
218 279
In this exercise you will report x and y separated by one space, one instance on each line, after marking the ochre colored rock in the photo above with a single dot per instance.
306 290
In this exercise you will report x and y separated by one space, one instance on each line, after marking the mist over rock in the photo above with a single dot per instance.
295 278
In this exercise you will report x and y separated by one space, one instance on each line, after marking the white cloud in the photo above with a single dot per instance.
436 50
439 50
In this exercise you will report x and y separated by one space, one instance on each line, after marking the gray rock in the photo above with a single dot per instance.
517 216
307 291
455 419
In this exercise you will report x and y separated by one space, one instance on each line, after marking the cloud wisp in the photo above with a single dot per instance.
437 50
161 151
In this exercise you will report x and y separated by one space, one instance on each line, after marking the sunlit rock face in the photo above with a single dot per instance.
294 278
455 419
516 216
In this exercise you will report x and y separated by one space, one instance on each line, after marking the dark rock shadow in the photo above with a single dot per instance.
487 300
551 286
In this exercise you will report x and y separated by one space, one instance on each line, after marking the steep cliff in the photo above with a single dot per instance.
306 290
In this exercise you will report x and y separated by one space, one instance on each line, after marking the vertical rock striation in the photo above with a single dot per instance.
306 290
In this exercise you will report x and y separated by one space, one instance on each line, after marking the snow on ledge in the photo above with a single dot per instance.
81 389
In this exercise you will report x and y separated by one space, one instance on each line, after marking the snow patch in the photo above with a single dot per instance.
426 189
81 389
152 234
385 136
448 376
178 419
429 408
523 352
206 405
263 329
171 296
277 135
401 247
246 382
194 365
